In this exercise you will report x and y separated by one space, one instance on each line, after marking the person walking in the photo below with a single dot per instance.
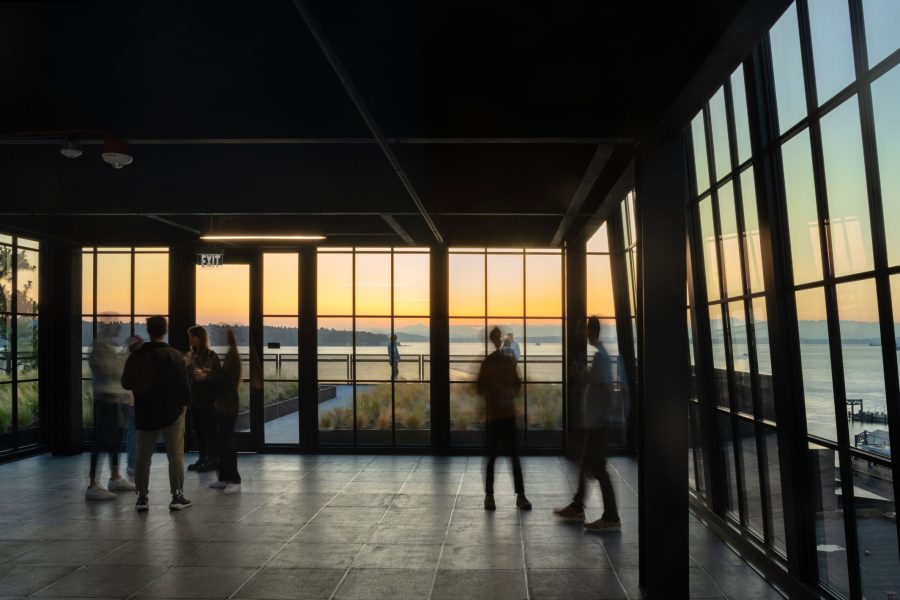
394 357
132 343
157 376
226 416
204 369
591 435
499 383
106 371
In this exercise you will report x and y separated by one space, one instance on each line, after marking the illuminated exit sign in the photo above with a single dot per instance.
210 259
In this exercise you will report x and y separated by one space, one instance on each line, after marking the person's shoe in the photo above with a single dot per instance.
142 504
603 525
489 503
570 513
523 502
195 465
179 502
120 485
95 492
218 485
207 466
232 488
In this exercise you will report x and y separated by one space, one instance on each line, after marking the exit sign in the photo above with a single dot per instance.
210 259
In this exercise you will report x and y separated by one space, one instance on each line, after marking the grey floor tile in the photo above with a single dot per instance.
291 584
574 584
345 534
103 581
566 556
197 582
507 556
408 534
398 556
151 552
477 584
257 533
321 555
386 584
65 553
23 580
11 549
231 554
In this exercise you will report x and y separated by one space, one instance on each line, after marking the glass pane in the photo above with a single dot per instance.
334 281
373 284
505 285
87 406
816 364
773 472
26 243
719 122
411 284
752 485
861 352
467 284
707 233
27 347
466 415
467 348
27 399
543 350
763 358
803 219
829 23
545 408
114 284
881 18
371 349
6 261
727 449
720 366
280 348
740 358
695 444
374 412
741 120
845 177
599 242
412 405
87 282
876 530
831 547
28 294
701 166
885 99
599 286
543 285
414 346
6 423
6 357
790 93
731 252
281 410
751 232
151 284
895 303
281 290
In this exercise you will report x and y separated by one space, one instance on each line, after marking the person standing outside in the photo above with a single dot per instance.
511 348
226 416
499 383
157 376
394 357
204 369
592 435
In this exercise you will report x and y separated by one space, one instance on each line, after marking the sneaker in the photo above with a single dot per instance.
194 465
95 492
232 488
207 466
602 525
142 504
523 502
570 513
489 502
179 502
218 485
120 485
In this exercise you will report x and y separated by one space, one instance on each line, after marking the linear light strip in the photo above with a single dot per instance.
260 237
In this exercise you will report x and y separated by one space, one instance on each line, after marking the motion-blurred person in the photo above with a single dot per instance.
204 369
132 343
499 383
592 430
106 370
226 417
156 374
394 357
511 348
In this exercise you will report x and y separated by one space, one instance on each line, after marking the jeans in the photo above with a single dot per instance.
173 435
593 462
500 434
204 417
130 434
228 470
106 431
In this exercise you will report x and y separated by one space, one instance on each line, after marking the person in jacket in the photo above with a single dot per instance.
132 343
499 383
394 357
156 374
229 380
204 371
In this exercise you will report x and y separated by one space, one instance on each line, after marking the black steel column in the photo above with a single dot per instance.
182 293
257 386
309 352
576 332
661 194
440 350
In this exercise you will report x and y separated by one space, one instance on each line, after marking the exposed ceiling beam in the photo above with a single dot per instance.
398 228
594 168
173 223
316 29
616 194
103 213
55 141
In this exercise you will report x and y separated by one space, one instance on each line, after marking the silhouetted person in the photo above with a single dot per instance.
156 374
106 372
499 383
132 343
226 416
592 429
394 357
511 348
203 368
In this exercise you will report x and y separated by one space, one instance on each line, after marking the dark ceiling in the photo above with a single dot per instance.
497 112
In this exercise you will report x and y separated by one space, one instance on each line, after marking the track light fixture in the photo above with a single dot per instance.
71 149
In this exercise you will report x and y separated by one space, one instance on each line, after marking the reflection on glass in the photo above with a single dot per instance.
790 93
708 235
885 99
280 345
371 352
845 176
879 565
468 341
831 546
720 366
373 284
412 406
281 406
732 500
701 166
545 409
505 279
881 18
776 504
281 289
411 284
599 286
26 347
731 251
719 122
334 284
151 284
803 220
28 281
87 281
752 484
543 351
542 297
829 23
335 347
466 284
413 337
816 364
751 232
599 242
114 283
763 358
741 121
740 358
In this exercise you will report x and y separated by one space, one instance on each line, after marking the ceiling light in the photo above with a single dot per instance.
115 153
71 149
264 238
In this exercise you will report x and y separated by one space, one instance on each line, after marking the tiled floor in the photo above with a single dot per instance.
332 527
